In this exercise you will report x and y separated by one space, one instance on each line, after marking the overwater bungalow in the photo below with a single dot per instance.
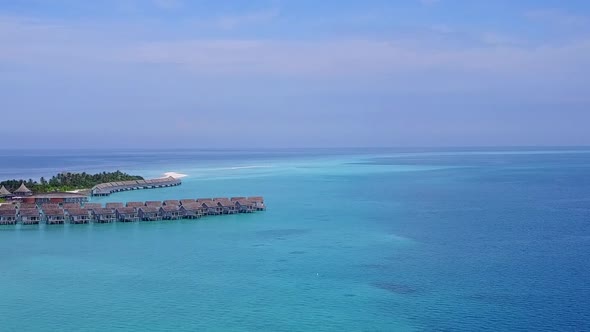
7 215
227 206
23 191
186 201
54 216
135 204
153 203
114 206
173 202
191 211
258 203
78 216
244 206
149 213
169 212
103 215
29 216
211 208
5 194
126 214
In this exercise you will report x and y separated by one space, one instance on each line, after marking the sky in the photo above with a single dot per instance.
294 73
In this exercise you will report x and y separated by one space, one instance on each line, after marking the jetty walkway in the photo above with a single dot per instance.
105 189
84 213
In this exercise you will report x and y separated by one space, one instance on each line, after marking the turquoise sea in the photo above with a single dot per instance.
353 240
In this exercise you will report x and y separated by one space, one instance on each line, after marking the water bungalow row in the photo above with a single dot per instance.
78 213
105 189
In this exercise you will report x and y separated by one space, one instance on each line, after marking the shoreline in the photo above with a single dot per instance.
174 175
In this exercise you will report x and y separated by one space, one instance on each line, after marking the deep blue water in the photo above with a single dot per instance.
355 240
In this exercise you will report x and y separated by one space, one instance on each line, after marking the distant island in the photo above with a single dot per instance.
69 181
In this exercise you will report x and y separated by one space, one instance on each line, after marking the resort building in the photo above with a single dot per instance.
169 212
103 215
211 208
55 198
174 202
126 214
28 216
78 216
149 213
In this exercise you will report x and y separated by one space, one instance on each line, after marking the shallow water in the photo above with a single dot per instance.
375 240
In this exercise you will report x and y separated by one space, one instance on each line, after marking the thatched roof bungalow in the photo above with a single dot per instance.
23 191
4 193
258 202
227 206
244 206
211 208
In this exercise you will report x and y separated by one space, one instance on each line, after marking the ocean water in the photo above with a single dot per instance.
353 240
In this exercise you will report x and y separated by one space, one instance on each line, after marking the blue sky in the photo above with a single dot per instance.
158 73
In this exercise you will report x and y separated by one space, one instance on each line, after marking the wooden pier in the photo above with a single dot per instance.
150 211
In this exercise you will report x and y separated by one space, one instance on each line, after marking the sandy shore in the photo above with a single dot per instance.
175 175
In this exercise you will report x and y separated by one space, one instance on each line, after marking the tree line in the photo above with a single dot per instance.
69 181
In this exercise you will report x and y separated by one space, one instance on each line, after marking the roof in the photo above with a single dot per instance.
135 204
78 212
153 203
174 201
102 211
125 210
186 201
169 208
92 205
191 207
4 192
237 198
29 212
244 202
24 206
7 206
71 205
59 195
53 212
22 189
256 199
149 209
224 202
114 205
6 212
